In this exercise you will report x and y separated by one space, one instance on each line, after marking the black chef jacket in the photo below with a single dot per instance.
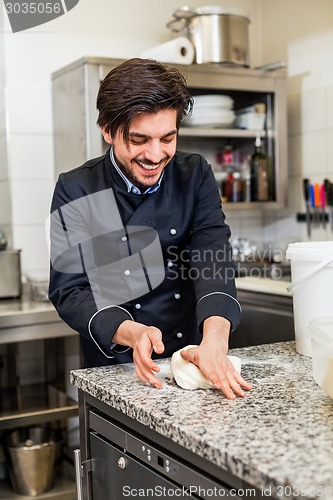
198 271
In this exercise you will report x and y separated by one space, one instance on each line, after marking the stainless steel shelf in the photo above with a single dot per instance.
221 132
36 403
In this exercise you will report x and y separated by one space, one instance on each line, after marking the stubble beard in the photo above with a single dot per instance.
128 172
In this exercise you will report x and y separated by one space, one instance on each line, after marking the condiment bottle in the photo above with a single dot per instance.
237 187
227 187
259 173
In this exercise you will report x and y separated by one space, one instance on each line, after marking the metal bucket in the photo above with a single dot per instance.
219 35
32 454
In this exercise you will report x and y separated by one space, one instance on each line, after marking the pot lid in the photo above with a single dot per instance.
217 9
186 13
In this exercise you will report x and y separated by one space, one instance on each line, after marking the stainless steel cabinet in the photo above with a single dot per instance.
78 138
25 405
266 319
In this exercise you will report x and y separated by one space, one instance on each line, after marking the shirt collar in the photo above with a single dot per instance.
130 186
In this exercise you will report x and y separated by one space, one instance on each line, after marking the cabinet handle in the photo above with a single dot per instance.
78 474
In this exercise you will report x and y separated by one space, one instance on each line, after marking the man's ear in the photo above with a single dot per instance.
106 135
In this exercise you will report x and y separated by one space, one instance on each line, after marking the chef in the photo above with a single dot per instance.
140 257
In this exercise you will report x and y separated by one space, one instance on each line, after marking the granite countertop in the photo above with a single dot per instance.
278 437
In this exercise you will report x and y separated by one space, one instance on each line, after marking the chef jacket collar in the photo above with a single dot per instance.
131 188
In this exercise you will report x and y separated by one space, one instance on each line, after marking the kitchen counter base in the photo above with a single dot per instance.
279 436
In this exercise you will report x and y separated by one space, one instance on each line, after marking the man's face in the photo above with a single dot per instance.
152 144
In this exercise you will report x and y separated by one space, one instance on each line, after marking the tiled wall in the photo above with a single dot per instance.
5 207
31 171
301 34
30 58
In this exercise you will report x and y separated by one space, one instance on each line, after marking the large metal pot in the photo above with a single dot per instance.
219 35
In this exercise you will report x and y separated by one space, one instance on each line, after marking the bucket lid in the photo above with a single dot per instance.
312 251
321 330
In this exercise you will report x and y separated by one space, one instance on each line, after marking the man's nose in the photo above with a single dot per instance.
154 152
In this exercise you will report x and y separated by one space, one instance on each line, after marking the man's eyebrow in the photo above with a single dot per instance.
138 134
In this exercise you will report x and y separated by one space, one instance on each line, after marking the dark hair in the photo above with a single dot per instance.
140 86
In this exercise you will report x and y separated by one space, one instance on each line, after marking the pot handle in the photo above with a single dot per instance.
184 13
176 25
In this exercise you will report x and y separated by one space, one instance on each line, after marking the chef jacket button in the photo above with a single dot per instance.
124 238
137 306
179 335
177 296
170 264
127 272
173 231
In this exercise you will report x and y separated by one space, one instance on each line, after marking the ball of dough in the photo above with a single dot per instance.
189 376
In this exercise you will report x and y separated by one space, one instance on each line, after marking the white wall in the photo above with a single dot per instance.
5 207
105 28
300 32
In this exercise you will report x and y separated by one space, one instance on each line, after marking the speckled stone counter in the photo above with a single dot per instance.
278 437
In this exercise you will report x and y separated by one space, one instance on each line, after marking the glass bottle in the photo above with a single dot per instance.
237 187
259 173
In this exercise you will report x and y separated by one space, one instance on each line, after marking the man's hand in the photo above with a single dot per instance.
211 357
143 340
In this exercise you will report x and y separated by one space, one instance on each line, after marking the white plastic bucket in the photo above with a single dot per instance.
312 286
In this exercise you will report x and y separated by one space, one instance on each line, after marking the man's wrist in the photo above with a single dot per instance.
123 334
216 328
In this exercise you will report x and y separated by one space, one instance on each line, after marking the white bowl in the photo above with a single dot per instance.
208 100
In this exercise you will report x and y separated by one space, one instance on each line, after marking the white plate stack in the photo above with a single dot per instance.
211 110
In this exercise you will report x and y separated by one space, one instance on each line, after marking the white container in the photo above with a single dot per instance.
251 120
321 333
312 286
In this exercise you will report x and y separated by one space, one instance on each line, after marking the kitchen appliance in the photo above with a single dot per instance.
219 34
122 462
10 274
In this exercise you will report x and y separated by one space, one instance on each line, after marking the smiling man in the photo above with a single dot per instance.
151 145
120 226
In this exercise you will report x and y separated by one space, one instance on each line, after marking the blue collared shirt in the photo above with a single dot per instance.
130 186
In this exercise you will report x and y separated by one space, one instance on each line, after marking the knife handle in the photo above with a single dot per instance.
323 196
316 188
311 196
327 185
306 189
